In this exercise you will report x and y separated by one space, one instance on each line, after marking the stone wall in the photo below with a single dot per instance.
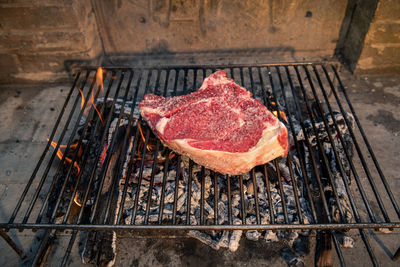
381 50
37 37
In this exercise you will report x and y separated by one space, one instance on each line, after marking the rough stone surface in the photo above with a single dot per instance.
37 38
381 52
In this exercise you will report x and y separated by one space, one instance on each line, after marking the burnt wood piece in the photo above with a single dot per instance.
99 247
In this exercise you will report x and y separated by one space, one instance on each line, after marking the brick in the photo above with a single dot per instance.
385 69
373 57
30 3
43 41
383 33
34 18
40 62
387 10
8 63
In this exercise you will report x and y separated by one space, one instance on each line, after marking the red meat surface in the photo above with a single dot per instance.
219 126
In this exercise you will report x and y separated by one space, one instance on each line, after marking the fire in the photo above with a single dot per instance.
141 133
89 105
99 77
60 154
103 155
76 200
281 113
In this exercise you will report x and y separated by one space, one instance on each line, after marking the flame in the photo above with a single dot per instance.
54 144
281 113
103 155
89 105
82 98
141 133
60 155
76 200
99 77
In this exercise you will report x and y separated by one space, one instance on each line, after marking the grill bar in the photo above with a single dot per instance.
371 152
298 193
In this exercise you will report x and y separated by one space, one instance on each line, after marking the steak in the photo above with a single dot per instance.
220 126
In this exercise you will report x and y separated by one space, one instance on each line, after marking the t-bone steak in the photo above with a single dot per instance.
220 126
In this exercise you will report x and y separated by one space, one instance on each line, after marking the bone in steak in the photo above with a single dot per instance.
220 126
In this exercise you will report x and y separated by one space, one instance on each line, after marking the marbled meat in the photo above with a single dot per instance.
220 126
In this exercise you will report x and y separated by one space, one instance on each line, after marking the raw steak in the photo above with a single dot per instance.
220 126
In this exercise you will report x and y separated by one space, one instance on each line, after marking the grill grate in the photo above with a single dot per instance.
99 167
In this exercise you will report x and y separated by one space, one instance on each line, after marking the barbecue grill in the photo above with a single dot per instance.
86 186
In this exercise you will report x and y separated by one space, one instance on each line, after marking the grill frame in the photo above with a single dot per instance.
311 70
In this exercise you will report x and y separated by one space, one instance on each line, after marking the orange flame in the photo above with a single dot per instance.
144 139
89 105
281 113
60 155
76 200
99 77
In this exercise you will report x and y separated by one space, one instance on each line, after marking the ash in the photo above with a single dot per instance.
177 178
136 214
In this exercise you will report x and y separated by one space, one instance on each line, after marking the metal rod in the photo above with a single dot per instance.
86 154
243 210
69 248
178 173
102 140
383 178
128 174
216 193
189 192
12 244
164 182
321 148
324 157
326 226
132 158
218 66
268 189
53 132
46 172
255 189
283 200
111 148
74 159
289 158
139 184
349 158
344 177
202 200
228 181
150 191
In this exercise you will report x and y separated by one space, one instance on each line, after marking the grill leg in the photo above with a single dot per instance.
396 255
12 244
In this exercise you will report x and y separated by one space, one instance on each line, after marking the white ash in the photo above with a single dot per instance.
225 239
118 106
229 239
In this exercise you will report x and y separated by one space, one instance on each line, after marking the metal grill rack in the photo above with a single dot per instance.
302 92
